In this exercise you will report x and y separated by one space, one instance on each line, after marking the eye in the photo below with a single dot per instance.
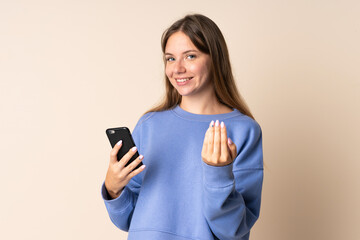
170 59
191 56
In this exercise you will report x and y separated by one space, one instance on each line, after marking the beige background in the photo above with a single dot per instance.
71 69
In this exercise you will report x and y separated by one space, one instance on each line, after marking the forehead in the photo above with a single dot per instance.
179 42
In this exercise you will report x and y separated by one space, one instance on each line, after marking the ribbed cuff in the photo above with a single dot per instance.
116 204
218 177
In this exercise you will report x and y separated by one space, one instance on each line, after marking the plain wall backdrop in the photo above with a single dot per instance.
71 69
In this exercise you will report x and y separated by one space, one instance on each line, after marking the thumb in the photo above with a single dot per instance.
114 152
232 148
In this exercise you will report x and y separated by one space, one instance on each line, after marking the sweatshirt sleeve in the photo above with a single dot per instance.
121 209
232 193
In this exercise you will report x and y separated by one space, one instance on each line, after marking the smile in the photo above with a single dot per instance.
181 80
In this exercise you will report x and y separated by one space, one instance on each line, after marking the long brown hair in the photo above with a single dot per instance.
207 37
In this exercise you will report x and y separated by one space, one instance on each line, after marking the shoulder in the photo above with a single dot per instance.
151 117
246 133
246 125
146 117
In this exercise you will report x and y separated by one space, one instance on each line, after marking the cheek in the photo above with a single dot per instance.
168 71
201 70
207 69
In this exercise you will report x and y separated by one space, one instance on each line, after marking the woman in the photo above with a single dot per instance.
201 147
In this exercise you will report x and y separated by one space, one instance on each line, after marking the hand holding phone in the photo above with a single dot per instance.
125 161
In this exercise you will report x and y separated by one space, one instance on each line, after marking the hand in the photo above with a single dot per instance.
118 175
218 149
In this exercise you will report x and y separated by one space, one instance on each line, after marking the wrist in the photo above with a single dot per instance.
111 193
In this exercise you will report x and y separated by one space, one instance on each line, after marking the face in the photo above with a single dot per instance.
186 67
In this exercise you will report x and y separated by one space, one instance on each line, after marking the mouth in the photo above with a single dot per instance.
182 80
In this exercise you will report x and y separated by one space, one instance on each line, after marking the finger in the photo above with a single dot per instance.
136 171
206 139
124 160
129 168
224 145
217 140
205 143
232 148
114 152
210 140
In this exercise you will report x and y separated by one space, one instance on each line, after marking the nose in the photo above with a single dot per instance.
179 67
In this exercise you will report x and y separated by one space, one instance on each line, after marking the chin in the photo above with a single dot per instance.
184 93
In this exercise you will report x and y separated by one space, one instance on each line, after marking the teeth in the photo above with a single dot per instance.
182 80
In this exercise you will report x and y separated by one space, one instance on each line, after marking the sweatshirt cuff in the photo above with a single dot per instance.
218 177
116 204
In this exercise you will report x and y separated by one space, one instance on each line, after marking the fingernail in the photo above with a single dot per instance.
212 123
222 124
119 142
142 166
217 123
141 157
229 141
133 149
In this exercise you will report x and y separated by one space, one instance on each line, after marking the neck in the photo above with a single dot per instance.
203 105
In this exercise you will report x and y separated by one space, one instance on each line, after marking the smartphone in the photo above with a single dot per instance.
122 133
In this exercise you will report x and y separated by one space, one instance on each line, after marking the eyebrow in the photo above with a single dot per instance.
183 52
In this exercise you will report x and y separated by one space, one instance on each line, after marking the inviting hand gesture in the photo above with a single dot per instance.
218 149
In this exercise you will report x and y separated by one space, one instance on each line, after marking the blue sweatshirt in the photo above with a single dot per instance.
178 196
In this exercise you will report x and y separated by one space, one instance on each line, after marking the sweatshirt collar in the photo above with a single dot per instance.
204 117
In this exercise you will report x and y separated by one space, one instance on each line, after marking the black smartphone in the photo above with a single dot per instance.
122 133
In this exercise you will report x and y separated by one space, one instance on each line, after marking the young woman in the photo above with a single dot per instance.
201 147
